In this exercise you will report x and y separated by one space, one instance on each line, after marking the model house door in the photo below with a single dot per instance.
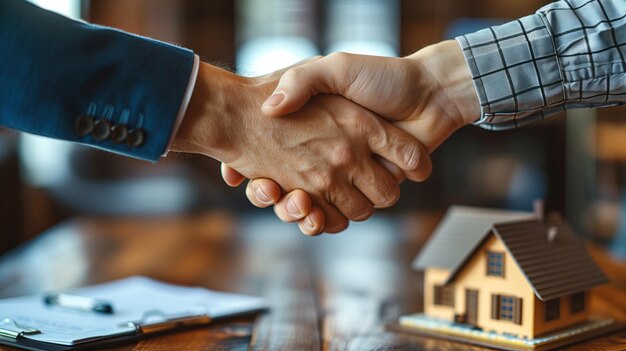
471 306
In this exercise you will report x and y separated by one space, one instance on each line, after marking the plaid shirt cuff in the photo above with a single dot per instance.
516 72
570 54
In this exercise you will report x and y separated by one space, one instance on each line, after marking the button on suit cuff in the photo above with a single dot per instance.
185 103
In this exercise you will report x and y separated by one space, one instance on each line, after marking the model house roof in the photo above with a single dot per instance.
461 230
551 257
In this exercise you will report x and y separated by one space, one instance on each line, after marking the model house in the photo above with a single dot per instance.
507 272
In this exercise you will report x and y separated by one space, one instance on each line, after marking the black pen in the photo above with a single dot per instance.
78 303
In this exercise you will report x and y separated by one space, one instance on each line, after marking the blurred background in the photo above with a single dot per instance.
575 162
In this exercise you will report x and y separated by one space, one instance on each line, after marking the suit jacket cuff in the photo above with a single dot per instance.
185 103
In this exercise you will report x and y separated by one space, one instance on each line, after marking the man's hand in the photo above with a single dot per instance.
325 149
428 94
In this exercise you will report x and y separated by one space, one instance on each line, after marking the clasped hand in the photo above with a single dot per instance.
352 128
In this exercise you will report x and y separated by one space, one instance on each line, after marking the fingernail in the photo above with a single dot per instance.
292 208
411 157
275 99
261 195
309 223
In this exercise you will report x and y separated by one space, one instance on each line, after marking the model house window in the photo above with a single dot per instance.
552 309
495 263
444 295
507 308
577 302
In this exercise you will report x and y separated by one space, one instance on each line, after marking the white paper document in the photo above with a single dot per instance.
136 301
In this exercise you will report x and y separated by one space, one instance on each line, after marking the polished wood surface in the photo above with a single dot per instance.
330 293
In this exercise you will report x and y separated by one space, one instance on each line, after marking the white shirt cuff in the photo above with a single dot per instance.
185 103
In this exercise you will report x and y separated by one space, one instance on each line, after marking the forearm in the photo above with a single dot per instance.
445 64
564 56
212 123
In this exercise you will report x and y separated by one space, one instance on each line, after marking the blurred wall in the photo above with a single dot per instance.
10 192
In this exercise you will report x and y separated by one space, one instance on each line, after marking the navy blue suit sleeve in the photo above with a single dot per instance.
54 70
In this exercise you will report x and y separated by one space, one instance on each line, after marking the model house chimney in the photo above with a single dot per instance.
552 233
538 208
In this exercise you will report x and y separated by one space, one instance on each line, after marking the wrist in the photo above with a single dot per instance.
451 79
210 122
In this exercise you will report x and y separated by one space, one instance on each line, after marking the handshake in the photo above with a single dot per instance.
330 139
326 141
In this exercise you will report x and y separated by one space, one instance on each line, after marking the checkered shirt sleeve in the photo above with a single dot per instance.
570 54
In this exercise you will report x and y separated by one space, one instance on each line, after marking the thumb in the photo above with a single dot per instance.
297 86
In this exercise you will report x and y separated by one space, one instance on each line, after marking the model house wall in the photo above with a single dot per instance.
512 284
436 277
566 317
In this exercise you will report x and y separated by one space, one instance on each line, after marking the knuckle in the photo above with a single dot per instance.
363 212
377 132
378 139
370 179
340 73
393 138
295 73
342 155
358 210
359 120
320 179
339 57
390 194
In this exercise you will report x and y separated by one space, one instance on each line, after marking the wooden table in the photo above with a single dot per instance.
331 292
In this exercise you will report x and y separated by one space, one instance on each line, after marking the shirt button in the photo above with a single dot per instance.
83 125
136 137
101 130
119 133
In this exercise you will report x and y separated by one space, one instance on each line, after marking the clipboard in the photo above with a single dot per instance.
141 307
